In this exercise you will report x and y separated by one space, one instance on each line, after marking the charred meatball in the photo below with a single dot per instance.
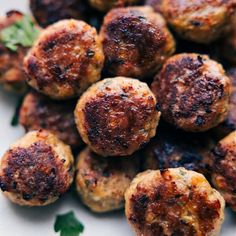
11 72
193 92
66 59
172 148
104 5
173 202
47 12
36 170
201 21
39 112
136 42
117 116
224 168
101 182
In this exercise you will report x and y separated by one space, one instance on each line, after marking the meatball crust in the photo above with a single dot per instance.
224 168
47 12
65 60
117 116
11 69
201 21
173 202
104 5
193 92
136 42
36 170
39 112
101 182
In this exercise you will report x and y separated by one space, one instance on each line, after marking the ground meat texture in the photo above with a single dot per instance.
172 148
173 202
39 112
193 92
224 168
117 116
101 182
136 42
201 21
66 59
36 170
47 12
104 5
11 73
229 123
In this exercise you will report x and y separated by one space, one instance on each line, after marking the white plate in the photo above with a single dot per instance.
20 221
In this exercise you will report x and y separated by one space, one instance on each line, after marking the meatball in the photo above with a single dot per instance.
173 202
229 124
155 4
47 12
104 5
193 92
65 60
36 170
101 182
201 21
117 116
224 168
11 73
136 42
39 112
173 148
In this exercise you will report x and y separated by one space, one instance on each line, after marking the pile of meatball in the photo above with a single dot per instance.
132 101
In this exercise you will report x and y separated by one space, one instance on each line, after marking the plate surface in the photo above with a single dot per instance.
20 221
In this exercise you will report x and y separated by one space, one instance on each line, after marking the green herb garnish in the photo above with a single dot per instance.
22 32
15 118
68 225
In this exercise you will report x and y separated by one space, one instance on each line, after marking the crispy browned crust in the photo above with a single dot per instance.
173 202
172 148
136 42
224 168
39 112
201 21
11 73
193 92
104 5
66 59
117 116
101 182
47 12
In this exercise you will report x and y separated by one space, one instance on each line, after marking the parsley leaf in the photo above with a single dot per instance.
22 32
15 118
68 225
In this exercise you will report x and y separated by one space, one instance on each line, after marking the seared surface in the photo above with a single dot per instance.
136 42
66 59
173 202
117 116
193 92
101 182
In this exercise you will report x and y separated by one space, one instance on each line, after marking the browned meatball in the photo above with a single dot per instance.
193 92
136 42
201 21
173 202
104 5
224 168
155 4
36 170
172 148
65 60
11 73
39 112
101 182
47 12
229 124
117 116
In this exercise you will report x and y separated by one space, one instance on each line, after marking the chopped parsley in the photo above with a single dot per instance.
15 118
68 225
21 33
